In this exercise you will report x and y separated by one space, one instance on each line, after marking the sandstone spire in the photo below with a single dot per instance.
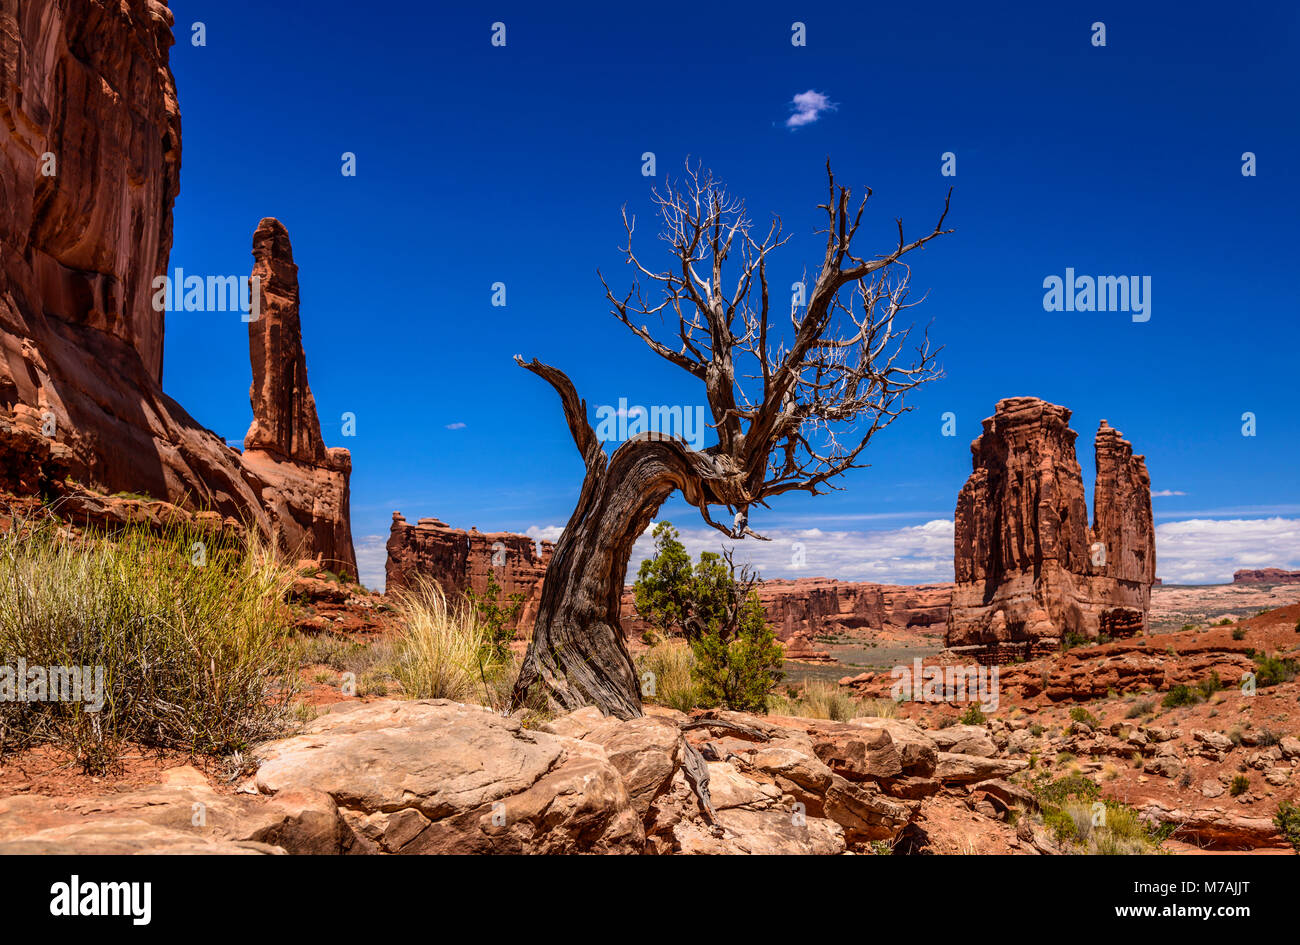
1029 568
284 411
302 485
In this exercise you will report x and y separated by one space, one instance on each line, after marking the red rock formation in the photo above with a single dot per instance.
284 411
801 609
460 561
1029 568
827 606
1266 576
90 145
302 485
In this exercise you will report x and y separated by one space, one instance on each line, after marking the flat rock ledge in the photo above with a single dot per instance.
436 776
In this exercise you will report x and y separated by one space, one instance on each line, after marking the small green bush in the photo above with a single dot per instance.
1080 714
1288 823
1180 695
739 673
1272 670
1240 785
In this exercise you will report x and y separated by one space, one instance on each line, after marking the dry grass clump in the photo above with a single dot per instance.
817 699
665 673
442 650
185 629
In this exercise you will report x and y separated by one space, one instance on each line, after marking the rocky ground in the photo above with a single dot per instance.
375 774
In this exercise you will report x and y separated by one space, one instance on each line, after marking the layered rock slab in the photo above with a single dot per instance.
302 485
441 777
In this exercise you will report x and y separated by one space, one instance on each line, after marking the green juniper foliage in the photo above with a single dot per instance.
496 618
737 658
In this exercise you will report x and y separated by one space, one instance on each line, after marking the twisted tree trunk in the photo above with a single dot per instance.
578 656
578 653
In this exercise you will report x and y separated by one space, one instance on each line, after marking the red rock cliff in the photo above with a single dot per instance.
460 561
1029 567
90 146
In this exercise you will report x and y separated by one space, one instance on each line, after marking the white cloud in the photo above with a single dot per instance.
1204 551
808 107
371 556
1192 551
1160 494
544 532
456 426
916 555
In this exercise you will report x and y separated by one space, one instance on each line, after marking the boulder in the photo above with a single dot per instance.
482 782
185 817
956 768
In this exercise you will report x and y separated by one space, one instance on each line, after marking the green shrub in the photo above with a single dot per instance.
739 672
1239 633
189 628
736 656
1209 685
1240 785
1180 695
495 618
973 715
1272 670
1080 714
1288 823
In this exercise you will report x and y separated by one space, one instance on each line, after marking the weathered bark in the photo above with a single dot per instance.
577 654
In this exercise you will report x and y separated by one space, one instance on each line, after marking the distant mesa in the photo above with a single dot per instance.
1266 576
1030 569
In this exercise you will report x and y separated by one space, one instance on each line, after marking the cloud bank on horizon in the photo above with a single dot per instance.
1189 551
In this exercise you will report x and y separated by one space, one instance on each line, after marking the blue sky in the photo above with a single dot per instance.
479 164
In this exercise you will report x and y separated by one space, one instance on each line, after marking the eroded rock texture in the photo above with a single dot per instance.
461 561
90 147
302 485
827 606
1029 567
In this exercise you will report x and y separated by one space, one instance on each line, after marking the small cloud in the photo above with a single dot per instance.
1164 492
808 107
456 426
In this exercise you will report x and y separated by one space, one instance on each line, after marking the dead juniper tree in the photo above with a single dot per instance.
809 398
